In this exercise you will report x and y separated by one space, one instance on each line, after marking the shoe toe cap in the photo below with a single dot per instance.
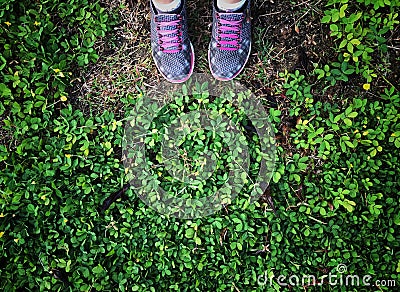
175 67
225 68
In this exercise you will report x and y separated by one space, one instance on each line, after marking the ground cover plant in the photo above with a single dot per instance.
326 71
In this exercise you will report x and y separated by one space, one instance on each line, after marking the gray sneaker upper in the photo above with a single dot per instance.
171 48
230 44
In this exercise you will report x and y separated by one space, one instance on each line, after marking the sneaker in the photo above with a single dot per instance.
172 50
230 44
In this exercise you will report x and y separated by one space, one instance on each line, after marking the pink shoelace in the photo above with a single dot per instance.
229 33
170 40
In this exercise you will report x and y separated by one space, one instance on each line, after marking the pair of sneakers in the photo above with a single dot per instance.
228 51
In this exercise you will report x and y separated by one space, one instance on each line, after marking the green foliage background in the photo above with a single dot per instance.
335 190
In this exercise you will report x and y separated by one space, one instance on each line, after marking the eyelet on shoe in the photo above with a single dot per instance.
161 49
218 45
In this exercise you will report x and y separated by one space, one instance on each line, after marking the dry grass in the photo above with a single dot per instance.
286 37
6 137
124 65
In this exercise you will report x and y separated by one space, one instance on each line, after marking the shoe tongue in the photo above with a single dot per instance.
231 16
163 17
